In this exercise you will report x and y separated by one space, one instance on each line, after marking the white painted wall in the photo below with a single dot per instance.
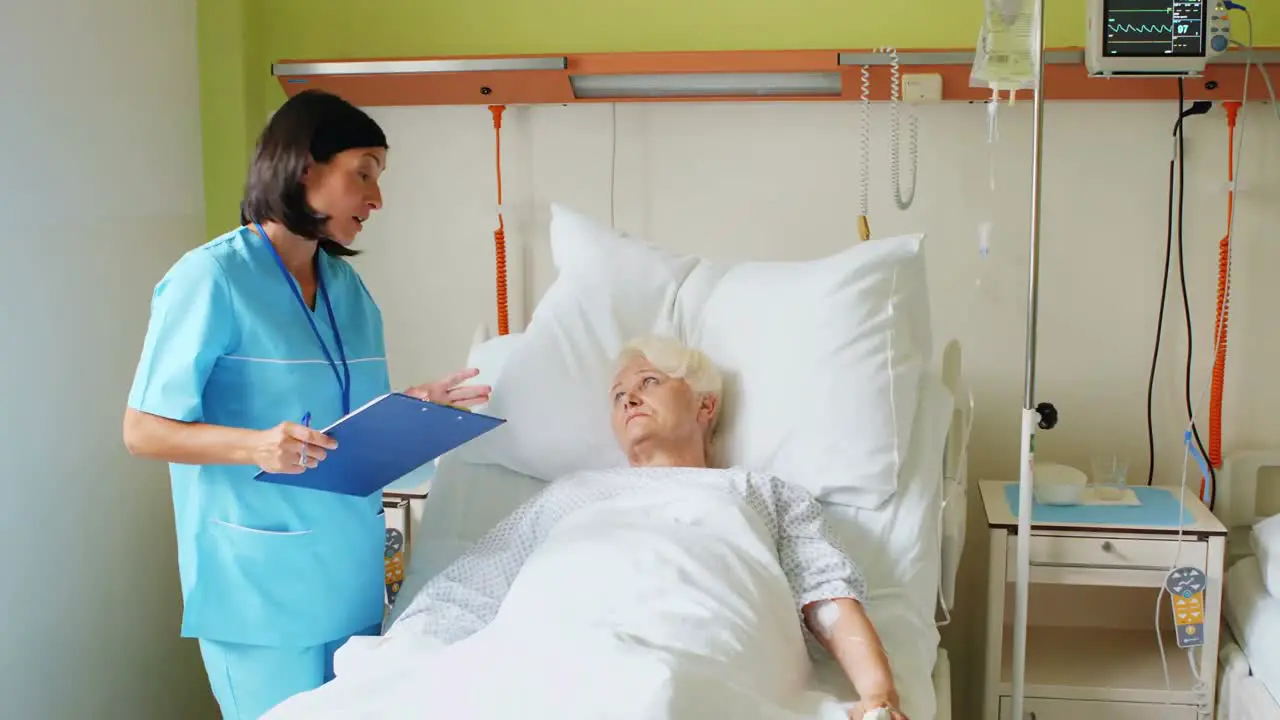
779 181
100 191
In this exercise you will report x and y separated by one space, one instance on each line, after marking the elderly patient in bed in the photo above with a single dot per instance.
664 400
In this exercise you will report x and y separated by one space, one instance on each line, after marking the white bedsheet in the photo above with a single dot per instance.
1254 618
666 602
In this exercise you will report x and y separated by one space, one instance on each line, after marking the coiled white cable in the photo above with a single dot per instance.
864 145
895 135
895 143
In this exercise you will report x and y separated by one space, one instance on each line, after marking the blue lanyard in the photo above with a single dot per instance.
344 379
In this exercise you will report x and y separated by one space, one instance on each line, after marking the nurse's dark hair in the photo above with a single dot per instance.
311 126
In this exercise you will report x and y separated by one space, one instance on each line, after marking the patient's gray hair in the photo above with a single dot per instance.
678 360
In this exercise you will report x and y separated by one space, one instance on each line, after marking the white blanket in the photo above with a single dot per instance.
668 603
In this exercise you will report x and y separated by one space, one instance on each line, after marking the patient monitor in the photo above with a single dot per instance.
1154 38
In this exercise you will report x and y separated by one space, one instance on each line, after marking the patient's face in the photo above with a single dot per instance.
650 406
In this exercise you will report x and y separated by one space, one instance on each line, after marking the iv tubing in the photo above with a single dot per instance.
1201 688
1026 475
499 235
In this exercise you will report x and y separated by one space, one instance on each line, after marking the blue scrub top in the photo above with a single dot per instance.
228 344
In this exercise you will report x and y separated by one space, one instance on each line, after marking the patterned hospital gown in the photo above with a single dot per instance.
465 597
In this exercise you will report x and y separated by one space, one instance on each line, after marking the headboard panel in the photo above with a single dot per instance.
1249 490
1245 495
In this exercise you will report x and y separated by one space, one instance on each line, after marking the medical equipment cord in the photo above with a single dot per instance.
1224 246
499 235
1182 267
895 131
901 200
1226 252
1200 686
864 148
1177 172
1155 355
1224 297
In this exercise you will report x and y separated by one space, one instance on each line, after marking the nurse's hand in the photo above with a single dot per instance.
450 391
290 448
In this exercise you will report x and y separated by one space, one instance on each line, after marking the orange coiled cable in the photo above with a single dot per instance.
499 235
1224 299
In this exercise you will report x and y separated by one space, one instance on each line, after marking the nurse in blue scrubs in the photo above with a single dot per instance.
250 334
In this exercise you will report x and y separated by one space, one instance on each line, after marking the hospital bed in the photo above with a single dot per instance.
908 546
909 549
1249 656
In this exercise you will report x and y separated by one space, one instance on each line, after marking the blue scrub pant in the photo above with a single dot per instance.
249 680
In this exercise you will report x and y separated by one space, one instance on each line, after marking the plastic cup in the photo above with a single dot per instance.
1110 475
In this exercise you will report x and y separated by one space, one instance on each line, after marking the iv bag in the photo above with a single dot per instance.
1005 57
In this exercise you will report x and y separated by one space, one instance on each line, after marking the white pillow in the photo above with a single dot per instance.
489 357
822 358
1265 538
553 390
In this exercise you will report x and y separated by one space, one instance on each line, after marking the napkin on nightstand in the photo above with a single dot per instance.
1126 497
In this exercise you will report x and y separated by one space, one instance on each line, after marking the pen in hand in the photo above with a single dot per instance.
302 454
289 447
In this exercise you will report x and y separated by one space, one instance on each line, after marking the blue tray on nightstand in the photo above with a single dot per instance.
1159 508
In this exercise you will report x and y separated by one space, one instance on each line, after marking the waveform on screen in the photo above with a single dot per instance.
1140 29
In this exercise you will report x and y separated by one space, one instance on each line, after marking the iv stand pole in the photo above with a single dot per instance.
1043 415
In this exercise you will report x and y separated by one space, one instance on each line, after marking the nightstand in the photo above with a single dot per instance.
1092 649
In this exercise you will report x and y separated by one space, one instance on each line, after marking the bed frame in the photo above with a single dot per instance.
1241 696
953 513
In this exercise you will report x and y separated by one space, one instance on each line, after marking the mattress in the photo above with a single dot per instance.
898 546
1253 617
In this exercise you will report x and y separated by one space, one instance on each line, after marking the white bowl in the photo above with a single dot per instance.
1057 484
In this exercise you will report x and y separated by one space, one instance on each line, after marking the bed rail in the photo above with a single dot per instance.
954 512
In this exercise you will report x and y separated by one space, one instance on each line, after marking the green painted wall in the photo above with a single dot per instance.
233 101
239 39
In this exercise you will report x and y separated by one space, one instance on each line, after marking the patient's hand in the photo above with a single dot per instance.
871 703
841 625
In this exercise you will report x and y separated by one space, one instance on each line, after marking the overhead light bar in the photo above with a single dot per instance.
711 84
411 67
1051 57
858 59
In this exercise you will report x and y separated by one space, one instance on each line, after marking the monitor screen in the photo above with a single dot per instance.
1153 28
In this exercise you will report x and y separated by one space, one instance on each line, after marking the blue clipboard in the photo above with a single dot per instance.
385 440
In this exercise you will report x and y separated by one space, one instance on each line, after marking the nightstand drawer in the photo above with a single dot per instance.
1047 709
1092 551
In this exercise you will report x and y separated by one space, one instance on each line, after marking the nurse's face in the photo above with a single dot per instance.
345 189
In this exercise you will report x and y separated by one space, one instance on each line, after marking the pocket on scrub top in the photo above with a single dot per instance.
286 589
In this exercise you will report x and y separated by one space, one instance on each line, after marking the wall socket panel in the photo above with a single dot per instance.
921 87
